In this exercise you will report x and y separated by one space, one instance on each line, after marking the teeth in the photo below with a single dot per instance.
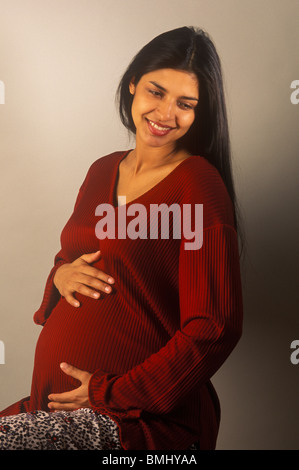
158 127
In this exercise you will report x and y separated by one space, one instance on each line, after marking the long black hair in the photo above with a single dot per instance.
192 50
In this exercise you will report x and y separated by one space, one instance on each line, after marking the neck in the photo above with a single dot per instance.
144 157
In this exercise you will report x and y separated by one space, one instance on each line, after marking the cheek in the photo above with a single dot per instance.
139 108
187 121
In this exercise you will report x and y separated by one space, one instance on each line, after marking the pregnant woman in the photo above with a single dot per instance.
136 321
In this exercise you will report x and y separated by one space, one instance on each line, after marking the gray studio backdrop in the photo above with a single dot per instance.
60 62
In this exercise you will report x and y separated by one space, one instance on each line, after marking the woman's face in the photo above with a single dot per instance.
163 108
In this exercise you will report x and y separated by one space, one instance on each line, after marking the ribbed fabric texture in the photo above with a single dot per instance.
173 318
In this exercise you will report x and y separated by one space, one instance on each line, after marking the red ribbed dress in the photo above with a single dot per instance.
173 318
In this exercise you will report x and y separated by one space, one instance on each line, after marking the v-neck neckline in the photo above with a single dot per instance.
113 188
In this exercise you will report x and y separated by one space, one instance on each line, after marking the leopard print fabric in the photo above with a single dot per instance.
82 429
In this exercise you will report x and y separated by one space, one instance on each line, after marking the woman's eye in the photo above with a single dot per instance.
155 93
185 106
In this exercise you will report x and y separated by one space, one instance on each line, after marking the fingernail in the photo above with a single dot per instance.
111 280
107 289
96 295
63 365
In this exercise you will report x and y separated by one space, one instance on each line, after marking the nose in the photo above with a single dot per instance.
166 110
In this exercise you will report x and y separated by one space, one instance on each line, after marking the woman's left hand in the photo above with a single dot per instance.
77 398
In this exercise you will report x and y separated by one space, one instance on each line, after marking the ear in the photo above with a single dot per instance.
132 86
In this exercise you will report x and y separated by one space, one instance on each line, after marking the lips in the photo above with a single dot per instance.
157 128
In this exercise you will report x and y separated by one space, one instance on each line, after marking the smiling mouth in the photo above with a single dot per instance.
158 129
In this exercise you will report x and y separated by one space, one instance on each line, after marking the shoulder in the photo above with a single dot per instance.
107 161
103 168
201 183
199 173
101 172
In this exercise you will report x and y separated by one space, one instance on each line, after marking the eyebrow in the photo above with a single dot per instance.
182 97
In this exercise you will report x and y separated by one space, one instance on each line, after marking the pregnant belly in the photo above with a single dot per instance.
101 334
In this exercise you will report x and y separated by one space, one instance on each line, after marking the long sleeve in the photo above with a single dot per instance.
211 324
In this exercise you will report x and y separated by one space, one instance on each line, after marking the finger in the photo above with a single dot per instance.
73 372
63 406
87 291
65 397
72 300
87 285
97 274
91 257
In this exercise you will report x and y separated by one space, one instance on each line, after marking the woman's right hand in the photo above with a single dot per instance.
80 277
